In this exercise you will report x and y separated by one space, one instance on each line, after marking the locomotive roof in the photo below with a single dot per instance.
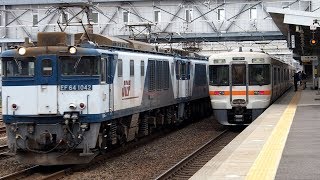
238 54
141 46
101 40
57 42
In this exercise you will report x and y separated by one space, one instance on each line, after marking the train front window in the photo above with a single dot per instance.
219 75
238 74
18 67
259 74
84 66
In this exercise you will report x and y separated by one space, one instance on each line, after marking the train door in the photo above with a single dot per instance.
239 83
107 65
47 88
183 78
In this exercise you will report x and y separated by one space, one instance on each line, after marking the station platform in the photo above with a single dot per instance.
282 143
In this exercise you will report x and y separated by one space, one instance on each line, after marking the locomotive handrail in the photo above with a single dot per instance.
88 103
7 104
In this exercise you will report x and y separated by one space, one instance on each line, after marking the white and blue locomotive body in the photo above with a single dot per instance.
62 107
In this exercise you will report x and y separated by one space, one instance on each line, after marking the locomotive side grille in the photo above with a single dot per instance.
152 75
159 75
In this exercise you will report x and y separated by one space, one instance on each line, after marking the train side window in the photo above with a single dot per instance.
131 68
103 69
46 67
275 75
183 70
178 70
120 68
142 68
279 75
200 77
166 74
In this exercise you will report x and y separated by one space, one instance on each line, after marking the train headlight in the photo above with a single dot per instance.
22 51
257 60
72 106
14 106
72 50
82 106
219 61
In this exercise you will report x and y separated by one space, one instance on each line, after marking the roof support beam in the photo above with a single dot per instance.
235 17
110 19
49 22
135 13
203 15
16 18
173 17
244 11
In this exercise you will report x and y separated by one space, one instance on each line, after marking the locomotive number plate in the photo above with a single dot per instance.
75 87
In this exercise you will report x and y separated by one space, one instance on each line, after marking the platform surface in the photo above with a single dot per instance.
282 143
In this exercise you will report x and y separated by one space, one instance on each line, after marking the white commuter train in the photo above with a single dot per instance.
243 84
64 104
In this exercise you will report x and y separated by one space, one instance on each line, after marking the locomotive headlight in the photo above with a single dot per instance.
82 106
72 106
72 50
14 106
22 51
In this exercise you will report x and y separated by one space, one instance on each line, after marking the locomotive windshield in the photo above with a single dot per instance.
85 65
259 74
18 67
219 75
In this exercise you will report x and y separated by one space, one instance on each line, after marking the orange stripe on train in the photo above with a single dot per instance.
239 93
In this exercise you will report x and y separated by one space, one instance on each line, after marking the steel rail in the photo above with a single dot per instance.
183 164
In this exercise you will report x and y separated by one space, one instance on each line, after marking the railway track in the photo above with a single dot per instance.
4 152
39 172
21 174
191 164
2 130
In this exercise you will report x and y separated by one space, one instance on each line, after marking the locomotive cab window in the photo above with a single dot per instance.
21 67
259 74
84 66
219 75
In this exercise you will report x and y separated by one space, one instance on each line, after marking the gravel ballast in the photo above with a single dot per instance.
152 159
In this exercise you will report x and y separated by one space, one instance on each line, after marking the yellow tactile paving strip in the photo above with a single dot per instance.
266 165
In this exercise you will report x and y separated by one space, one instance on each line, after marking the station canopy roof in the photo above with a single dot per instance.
297 23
